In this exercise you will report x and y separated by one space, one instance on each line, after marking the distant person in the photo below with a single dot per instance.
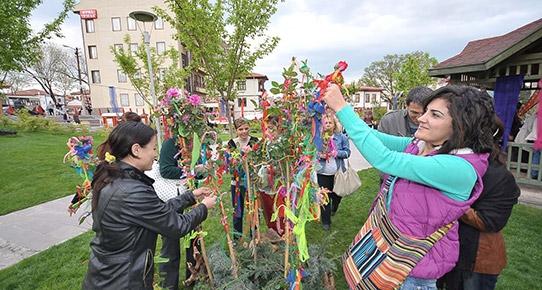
76 113
89 109
516 124
128 215
405 122
331 159
50 109
528 134
130 116
368 118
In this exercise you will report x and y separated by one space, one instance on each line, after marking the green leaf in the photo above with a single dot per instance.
275 91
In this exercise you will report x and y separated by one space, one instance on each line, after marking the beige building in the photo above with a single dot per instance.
249 92
368 98
104 25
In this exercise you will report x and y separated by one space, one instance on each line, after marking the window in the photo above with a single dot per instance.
124 101
241 102
132 25
374 98
184 59
121 76
198 81
356 98
89 25
139 100
92 52
137 74
159 24
241 85
133 48
115 23
161 73
160 47
367 98
535 67
95 75
118 47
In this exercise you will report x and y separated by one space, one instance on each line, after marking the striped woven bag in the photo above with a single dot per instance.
380 257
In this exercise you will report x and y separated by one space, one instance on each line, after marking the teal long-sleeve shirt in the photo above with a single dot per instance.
452 175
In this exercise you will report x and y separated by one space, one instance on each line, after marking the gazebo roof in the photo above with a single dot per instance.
485 53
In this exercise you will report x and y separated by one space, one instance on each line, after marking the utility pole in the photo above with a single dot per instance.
79 76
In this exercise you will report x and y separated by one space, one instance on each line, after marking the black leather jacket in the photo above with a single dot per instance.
127 220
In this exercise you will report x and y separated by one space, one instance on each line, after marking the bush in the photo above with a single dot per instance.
27 123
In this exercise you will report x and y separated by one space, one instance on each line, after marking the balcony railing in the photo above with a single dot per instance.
520 163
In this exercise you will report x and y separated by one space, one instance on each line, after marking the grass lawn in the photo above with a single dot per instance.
64 266
32 171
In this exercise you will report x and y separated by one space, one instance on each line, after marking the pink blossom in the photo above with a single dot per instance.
173 92
341 65
194 100
185 119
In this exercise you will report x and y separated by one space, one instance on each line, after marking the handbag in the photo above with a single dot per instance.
346 182
381 257
165 188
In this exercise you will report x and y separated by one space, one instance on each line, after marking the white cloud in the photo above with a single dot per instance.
361 32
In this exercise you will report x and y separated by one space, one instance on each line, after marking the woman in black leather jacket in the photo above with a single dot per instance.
127 215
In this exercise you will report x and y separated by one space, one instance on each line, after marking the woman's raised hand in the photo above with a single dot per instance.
334 98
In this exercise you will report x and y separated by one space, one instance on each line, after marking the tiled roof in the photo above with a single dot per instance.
370 89
31 92
481 51
256 76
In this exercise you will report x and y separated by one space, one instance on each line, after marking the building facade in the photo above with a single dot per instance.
249 91
368 98
105 25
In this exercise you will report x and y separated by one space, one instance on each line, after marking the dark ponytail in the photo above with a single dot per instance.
119 144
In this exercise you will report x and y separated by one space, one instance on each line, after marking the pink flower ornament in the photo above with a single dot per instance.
194 100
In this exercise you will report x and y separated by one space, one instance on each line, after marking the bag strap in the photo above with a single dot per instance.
381 201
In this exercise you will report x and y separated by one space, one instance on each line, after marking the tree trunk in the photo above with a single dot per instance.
229 115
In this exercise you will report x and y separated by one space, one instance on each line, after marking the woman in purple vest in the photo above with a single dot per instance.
433 178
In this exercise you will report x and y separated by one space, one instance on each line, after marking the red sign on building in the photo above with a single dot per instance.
88 14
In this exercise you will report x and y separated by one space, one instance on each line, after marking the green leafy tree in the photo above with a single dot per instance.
224 37
415 72
166 67
19 46
381 74
399 73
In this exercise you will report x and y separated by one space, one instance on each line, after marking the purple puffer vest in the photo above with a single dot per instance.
418 210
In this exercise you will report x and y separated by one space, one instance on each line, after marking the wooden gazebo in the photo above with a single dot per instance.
481 62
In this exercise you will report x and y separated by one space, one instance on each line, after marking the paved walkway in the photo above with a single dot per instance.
26 232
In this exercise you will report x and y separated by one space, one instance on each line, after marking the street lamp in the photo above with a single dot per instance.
78 74
144 16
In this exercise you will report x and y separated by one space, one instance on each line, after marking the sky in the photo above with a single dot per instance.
362 31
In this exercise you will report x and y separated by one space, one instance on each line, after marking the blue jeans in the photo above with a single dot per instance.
412 283
477 281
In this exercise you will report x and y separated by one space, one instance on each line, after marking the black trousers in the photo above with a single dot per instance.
327 181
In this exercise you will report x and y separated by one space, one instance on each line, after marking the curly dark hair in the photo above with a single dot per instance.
472 115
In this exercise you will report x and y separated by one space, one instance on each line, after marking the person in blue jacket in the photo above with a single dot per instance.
331 159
